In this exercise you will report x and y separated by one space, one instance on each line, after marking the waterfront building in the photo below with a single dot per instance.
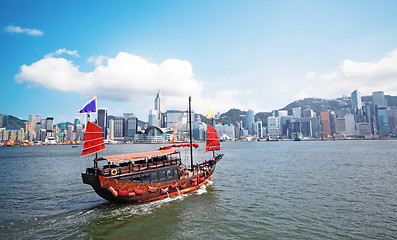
368 111
259 131
102 117
155 134
307 126
119 128
176 119
273 127
392 116
69 134
34 119
382 120
15 135
131 126
225 132
326 123
363 129
284 122
350 125
37 134
340 127
33 131
79 133
249 119
297 112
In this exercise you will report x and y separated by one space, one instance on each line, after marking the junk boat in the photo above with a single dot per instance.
147 176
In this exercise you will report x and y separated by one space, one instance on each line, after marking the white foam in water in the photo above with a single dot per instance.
203 189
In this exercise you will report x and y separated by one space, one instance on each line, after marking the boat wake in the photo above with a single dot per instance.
203 189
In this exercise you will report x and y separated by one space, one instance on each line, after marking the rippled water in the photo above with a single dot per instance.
260 190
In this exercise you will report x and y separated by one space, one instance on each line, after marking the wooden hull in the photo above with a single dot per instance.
116 190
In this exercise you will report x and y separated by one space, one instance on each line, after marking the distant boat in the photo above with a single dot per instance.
75 146
147 176
298 136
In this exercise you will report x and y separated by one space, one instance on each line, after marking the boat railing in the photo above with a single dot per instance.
133 167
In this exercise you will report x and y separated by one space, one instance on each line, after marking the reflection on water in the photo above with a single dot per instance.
262 190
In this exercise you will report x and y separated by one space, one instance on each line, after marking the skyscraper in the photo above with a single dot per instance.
382 120
102 120
76 122
272 127
350 125
34 119
249 117
378 98
119 127
259 129
159 108
356 100
326 123
131 125
357 107
49 123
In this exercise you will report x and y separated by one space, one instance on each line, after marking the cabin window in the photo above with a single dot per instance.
153 177
146 178
162 175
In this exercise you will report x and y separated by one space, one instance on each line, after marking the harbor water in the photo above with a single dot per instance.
260 190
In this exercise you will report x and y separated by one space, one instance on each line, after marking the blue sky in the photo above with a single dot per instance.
258 55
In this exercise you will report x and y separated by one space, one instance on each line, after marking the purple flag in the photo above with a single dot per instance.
89 107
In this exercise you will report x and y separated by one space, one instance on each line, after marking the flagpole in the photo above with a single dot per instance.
190 130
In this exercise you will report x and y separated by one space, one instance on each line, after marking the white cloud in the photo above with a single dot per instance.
97 60
18 30
62 51
130 78
365 76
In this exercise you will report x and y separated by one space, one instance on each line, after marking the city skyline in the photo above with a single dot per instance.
259 55
350 118
93 115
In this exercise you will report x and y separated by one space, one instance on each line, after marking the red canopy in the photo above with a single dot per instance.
93 140
213 142
140 155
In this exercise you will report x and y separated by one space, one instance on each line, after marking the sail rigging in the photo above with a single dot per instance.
213 142
93 140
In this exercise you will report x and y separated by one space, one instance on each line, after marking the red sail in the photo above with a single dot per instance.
212 139
93 140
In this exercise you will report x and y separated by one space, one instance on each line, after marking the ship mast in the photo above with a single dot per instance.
190 130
